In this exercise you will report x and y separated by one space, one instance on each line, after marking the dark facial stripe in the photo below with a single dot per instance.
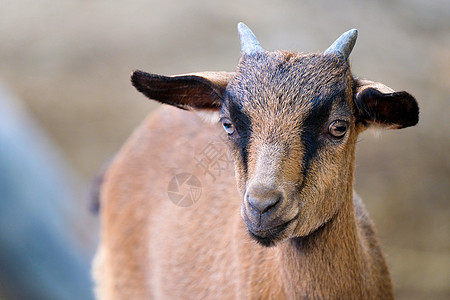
243 126
312 128
315 122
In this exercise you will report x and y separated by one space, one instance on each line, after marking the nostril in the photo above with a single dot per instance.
263 203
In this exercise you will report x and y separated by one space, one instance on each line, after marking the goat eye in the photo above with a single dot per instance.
228 126
338 128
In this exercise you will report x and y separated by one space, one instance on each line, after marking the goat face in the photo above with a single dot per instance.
292 122
291 125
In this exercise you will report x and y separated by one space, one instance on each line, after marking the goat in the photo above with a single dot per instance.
293 228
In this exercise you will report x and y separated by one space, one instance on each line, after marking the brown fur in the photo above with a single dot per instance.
280 104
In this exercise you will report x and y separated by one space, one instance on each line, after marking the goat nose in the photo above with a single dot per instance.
263 202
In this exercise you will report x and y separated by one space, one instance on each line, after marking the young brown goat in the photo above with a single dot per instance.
293 229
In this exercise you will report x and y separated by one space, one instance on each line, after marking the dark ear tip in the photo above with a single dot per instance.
139 80
412 107
135 75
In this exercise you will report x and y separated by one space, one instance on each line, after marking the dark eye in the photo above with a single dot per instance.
338 128
228 126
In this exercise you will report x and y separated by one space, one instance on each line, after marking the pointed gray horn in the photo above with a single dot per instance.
344 44
249 43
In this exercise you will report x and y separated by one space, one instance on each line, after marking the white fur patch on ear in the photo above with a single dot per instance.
363 84
376 131
208 116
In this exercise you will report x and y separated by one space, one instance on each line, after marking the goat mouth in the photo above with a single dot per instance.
270 236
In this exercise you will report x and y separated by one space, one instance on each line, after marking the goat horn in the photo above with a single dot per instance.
344 44
249 43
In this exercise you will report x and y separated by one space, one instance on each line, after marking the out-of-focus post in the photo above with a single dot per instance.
44 244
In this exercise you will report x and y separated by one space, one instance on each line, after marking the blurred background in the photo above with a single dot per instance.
66 106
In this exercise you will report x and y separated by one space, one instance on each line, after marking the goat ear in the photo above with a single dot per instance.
191 91
380 105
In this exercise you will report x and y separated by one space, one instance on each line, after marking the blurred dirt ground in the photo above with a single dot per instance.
70 63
